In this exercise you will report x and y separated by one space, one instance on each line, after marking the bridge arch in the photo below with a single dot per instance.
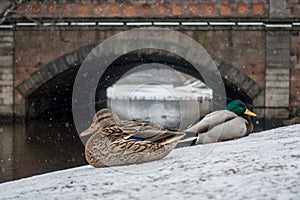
62 71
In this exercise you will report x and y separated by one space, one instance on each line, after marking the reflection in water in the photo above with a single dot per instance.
6 150
37 148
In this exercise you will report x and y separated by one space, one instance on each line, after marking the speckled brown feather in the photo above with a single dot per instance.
110 145
100 151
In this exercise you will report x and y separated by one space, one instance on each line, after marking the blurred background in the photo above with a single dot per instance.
254 45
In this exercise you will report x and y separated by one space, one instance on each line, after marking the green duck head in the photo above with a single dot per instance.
239 108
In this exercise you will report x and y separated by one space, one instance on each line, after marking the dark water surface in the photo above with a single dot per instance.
37 148
40 147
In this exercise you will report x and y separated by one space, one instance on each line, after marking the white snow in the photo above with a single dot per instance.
158 92
264 165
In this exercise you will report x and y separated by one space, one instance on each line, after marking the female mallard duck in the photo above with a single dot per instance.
222 125
114 142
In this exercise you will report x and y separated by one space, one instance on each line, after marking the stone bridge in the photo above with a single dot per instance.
255 45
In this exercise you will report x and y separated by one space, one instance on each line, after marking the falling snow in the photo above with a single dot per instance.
264 165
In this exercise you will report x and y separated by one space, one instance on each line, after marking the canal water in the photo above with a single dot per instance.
45 146
38 147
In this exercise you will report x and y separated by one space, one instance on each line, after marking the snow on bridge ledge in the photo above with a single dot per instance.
263 165
209 23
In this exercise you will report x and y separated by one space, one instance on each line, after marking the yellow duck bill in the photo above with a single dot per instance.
250 113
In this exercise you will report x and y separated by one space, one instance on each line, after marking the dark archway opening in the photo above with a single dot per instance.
136 58
53 100
51 138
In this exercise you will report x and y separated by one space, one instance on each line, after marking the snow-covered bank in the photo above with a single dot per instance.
265 165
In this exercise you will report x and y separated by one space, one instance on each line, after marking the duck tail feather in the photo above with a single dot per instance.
175 137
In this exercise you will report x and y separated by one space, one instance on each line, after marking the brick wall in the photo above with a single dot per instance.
254 51
6 72
293 8
146 8
161 8
244 49
45 46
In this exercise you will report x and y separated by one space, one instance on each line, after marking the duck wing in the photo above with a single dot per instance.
132 128
140 130
157 136
212 120
229 130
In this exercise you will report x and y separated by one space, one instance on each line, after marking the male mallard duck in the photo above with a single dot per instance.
222 125
115 142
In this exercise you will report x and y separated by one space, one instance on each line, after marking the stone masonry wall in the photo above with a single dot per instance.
277 74
6 72
295 72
